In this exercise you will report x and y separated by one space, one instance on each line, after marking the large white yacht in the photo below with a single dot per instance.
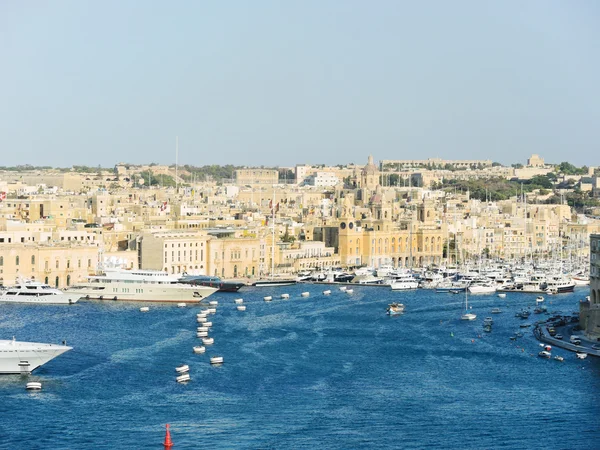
24 357
140 285
34 292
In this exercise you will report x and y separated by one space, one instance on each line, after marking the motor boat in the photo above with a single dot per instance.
285 296
139 285
268 298
181 305
202 334
545 354
327 292
305 294
559 358
238 301
208 341
502 295
241 307
36 293
581 355
33 386
18 357
144 309
496 310
395 308
199 349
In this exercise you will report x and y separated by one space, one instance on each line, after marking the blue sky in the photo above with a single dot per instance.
283 83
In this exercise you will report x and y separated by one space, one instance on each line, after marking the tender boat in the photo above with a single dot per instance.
202 329
305 294
184 368
285 296
208 341
502 295
216 360
183 378
487 328
241 308
201 316
496 310
202 334
581 355
213 303
559 358
238 301
201 319
395 308
181 305
545 354
33 386
139 285
349 291
268 298
144 309
327 292
33 292
212 310
199 349
343 288
19 357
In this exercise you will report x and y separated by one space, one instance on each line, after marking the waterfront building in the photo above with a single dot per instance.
255 176
589 309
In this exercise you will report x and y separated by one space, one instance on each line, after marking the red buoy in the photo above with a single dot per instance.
168 442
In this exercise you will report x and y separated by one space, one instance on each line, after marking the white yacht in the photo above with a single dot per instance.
34 292
140 285
18 357
404 281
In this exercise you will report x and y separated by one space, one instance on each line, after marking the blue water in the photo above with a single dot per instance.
321 372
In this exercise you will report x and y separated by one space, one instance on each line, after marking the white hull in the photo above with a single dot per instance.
142 292
482 289
54 299
24 357
404 285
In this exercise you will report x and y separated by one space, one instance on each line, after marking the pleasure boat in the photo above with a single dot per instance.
404 282
19 357
214 282
36 293
139 285
395 308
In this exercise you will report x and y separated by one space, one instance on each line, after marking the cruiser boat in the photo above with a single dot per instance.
403 282
18 357
216 282
36 293
140 285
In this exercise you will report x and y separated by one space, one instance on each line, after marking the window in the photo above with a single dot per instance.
1 260
32 259
17 261
57 263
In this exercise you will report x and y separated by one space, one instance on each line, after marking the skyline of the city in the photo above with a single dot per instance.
279 84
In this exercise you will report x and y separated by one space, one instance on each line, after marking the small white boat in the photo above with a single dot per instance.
502 295
468 316
239 301
496 310
539 299
559 358
183 378
213 303
395 308
207 324
343 288
202 329
33 386
241 308
212 310
184 368
181 305
201 319
349 291
327 292
581 355
199 349
204 311
208 341
201 316
488 320
201 334
268 298
144 309
305 294
285 296
544 354
216 360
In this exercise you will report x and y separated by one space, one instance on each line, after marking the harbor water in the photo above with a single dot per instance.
320 371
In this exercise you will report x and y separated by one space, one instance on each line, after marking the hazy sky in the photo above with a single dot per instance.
284 82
